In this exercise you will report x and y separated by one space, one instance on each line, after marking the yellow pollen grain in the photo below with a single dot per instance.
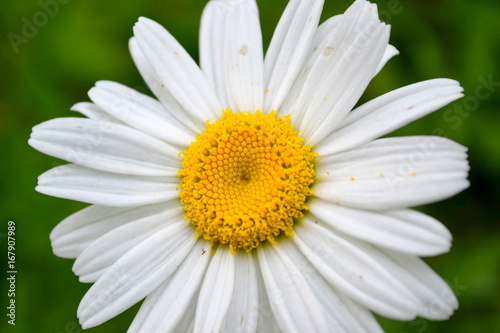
246 179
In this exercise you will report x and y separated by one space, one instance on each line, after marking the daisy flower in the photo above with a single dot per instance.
252 194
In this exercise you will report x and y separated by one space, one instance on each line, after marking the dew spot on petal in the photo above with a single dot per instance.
328 51
244 50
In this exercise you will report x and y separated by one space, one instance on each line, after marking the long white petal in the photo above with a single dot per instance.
267 321
105 146
430 296
244 58
164 309
403 230
216 291
186 324
177 71
337 72
390 112
288 49
437 298
105 188
243 312
150 75
291 298
140 111
212 41
76 232
149 305
393 173
231 53
136 274
362 315
351 267
105 251
337 314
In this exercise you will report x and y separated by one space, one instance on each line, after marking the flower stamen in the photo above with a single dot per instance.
246 179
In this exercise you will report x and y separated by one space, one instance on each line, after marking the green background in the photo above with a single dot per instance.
86 41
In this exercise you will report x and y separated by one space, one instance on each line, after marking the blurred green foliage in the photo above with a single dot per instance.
85 41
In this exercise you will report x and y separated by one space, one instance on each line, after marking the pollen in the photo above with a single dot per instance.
245 180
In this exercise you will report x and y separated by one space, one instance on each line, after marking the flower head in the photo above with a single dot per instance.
245 179
251 194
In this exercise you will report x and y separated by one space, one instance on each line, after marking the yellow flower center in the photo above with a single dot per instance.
246 179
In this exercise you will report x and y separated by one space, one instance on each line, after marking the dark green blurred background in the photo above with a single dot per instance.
86 41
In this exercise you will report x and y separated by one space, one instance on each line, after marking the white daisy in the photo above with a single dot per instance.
252 195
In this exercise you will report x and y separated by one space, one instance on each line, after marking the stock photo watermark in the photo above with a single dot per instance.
470 103
11 272
32 24
386 14
392 7
455 116
421 324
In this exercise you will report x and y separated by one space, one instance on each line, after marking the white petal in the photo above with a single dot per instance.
415 150
104 188
231 53
76 232
186 324
267 321
288 49
105 146
337 314
244 59
106 250
390 112
405 230
136 274
152 302
214 34
438 299
152 79
293 302
92 111
393 173
362 315
321 35
337 73
351 267
140 111
243 312
390 52
177 71
216 292
164 309
212 42
432 297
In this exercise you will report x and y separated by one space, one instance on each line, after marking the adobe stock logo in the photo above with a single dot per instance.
470 103
30 27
